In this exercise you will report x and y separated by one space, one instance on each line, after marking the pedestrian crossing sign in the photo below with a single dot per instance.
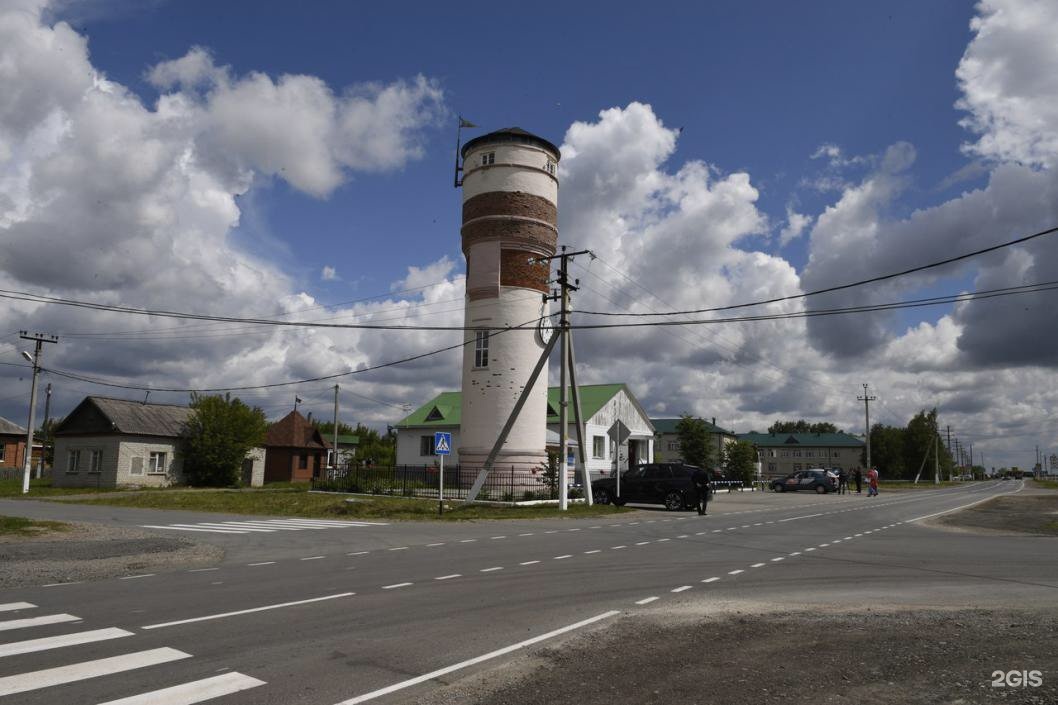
442 443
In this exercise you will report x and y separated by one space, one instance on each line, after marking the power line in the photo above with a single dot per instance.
840 287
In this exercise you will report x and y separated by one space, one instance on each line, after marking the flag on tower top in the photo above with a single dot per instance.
463 122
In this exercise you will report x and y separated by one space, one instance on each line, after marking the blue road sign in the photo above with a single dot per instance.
442 442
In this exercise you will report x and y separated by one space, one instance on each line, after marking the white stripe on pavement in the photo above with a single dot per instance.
54 642
194 692
88 669
247 611
10 606
37 621
191 528
479 659
225 527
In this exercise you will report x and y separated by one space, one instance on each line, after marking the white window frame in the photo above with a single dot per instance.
95 460
73 461
153 458
674 445
488 158
481 349
550 167
598 447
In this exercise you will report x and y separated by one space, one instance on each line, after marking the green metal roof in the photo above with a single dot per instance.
348 440
775 440
446 408
669 426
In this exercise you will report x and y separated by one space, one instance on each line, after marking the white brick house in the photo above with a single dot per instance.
107 442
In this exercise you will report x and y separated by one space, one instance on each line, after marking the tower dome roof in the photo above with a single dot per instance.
511 134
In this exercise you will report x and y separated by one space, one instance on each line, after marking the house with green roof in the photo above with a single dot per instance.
783 453
667 443
601 405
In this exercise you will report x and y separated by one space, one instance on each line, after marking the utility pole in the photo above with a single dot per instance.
44 425
40 339
334 457
971 459
867 399
936 458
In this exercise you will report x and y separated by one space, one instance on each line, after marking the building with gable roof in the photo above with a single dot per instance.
667 442
601 406
107 442
12 444
296 451
783 453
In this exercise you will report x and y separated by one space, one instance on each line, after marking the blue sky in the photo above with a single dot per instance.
757 86
697 135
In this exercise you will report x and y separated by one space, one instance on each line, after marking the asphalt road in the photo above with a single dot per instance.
389 613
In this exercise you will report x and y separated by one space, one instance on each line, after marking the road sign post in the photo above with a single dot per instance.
618 433
442 446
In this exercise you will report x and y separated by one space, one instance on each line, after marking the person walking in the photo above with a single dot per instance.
872 482
858 477
843 481
703 488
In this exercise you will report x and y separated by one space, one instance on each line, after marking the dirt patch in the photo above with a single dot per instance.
912 657
94 551
1022 513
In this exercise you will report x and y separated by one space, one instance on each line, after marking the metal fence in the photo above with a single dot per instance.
503 483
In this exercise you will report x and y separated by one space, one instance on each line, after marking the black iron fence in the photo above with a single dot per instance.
503 483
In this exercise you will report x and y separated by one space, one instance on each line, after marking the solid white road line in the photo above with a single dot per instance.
10 606
394 586
194 692
646 600
191 528
964 506
54 642
681 588
247 611
72 582
88 669
449 577
809 516
312 558
37 621
224 527
479 659
136 577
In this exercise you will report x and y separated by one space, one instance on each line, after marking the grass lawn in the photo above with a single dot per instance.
12 489
17 526
1047 484
299 503
923 484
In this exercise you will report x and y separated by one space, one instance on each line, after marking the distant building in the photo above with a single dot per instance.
296 451
667 443
107 442
783 453
601 406
347 445
12 445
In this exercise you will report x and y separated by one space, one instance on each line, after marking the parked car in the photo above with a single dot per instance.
654 483
819 480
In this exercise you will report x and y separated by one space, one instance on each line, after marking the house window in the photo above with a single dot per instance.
810 454
785 453
95 461
481 349
771 468
426 446
488 158
598 446
73 461
550 167
797 454
303 461
2 449
674 445
156 464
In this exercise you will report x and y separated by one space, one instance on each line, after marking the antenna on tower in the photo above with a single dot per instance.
459 134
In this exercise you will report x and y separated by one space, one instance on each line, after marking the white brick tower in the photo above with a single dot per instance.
510 215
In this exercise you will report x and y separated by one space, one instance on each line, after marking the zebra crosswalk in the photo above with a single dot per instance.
263 526
75 669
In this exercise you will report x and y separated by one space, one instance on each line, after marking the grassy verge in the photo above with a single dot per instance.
17 526
12 489
1046 484
302 504
909 485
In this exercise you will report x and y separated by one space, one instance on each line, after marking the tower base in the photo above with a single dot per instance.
516 474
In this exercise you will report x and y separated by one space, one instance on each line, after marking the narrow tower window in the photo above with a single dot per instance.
488 158
481 349
550 167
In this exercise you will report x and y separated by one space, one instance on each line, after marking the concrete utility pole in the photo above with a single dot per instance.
936 458
867 399
40 339
334 456
563 410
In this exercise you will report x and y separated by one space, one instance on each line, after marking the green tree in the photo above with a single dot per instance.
740 461
802 426
217 437
373 448
693 434
887 451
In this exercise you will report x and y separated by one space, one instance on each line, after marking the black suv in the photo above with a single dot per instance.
819 481
654 483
